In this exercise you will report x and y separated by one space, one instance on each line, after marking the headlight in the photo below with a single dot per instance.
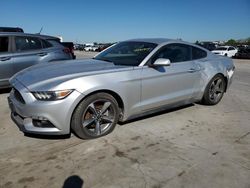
51 95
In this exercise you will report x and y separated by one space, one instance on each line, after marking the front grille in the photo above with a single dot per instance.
18 96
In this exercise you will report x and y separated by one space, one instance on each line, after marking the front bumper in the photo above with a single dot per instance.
230 75
28 111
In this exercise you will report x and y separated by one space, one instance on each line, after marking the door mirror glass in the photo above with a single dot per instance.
162 62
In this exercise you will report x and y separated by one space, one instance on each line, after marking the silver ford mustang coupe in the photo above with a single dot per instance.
127 80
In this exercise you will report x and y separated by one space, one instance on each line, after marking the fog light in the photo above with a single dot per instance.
42 123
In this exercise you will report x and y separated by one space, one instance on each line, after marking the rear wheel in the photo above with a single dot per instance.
95 116
214 90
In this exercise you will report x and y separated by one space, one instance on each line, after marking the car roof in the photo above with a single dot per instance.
163 41
154 40
46 37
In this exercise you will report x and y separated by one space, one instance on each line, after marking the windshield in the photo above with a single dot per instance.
221 48
127 53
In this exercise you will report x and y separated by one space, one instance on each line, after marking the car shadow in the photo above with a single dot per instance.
154 114
4 91
47 137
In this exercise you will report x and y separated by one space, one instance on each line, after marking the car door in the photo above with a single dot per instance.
27 52
6 69
163 85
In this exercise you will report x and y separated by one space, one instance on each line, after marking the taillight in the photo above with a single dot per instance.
66 50
71 50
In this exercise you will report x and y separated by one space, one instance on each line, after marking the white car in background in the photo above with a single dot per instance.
90 48
229 51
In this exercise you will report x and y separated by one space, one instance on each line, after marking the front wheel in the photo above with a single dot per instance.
95 116
214 90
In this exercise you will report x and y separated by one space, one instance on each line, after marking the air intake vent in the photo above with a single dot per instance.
18 96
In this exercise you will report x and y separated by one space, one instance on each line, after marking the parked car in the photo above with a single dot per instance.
127 80
11 29
20 50
103 47
70 46
79 47
229 51
90 48
208 45
243 53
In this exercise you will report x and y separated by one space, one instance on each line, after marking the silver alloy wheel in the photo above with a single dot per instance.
216 90
98 117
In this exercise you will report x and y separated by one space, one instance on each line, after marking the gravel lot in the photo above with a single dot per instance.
192 147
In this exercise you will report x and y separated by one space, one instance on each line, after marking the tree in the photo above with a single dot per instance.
231 42
197 42
248 41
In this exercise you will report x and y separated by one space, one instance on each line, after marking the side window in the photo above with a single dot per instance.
27 43
4 44
198 53
175 53
231 48
46 44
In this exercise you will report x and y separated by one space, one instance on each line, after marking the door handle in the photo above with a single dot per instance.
42 54
5 58
193 70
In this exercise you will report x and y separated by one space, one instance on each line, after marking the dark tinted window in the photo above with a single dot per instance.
175 53
127 53
27 43
231 48
198 53
4 44
46 44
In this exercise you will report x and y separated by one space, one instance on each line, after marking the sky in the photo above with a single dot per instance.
115 20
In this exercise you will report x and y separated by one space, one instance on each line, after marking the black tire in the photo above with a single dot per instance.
90 109
212 94
225 55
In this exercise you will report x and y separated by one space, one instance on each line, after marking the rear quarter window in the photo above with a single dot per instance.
198 53
55 43
46 44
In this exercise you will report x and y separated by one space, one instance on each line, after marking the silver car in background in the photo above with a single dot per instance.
21 50
127 80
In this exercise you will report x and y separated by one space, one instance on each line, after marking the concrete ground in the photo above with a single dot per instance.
194 146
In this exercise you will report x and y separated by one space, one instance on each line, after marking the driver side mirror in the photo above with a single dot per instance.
161 62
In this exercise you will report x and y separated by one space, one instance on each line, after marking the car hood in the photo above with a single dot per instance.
61 71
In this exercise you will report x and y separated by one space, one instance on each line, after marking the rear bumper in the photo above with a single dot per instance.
55 115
